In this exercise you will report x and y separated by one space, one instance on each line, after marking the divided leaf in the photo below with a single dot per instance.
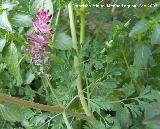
124 118
152 116
15 113
128 89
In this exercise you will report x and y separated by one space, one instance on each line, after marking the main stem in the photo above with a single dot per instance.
76 64
54 94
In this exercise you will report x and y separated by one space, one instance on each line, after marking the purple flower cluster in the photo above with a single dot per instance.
42 37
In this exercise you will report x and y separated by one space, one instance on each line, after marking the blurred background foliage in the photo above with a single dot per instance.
120 65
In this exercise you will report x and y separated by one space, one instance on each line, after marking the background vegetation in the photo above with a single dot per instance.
105 69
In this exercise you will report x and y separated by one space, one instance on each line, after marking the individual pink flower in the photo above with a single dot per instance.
42 37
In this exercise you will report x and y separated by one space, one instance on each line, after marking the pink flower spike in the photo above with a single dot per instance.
42 37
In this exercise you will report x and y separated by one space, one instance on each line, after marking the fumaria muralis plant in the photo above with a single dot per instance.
40 40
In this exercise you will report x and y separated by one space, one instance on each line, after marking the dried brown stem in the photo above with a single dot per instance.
29 104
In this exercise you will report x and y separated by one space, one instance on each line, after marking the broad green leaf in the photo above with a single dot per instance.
15 113
2 44
155 38
63 42
42 4
29 77
8 5
11 59
4 23
140 27
21 20
142 53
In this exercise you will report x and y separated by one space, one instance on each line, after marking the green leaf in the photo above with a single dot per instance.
148 93
102 103
142 53
4 23
42 4
2 44
63 42
95 107
8 5
96 125
128 89
152 115
115 127
135 109
11 59
135 72
124 118
21 20
29 77
15 113
155 38
56 59
38 120
108 84
140 27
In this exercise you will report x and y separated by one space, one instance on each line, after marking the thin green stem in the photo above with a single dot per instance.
43 83
125 59
66 121
88 90
54 94
56 23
